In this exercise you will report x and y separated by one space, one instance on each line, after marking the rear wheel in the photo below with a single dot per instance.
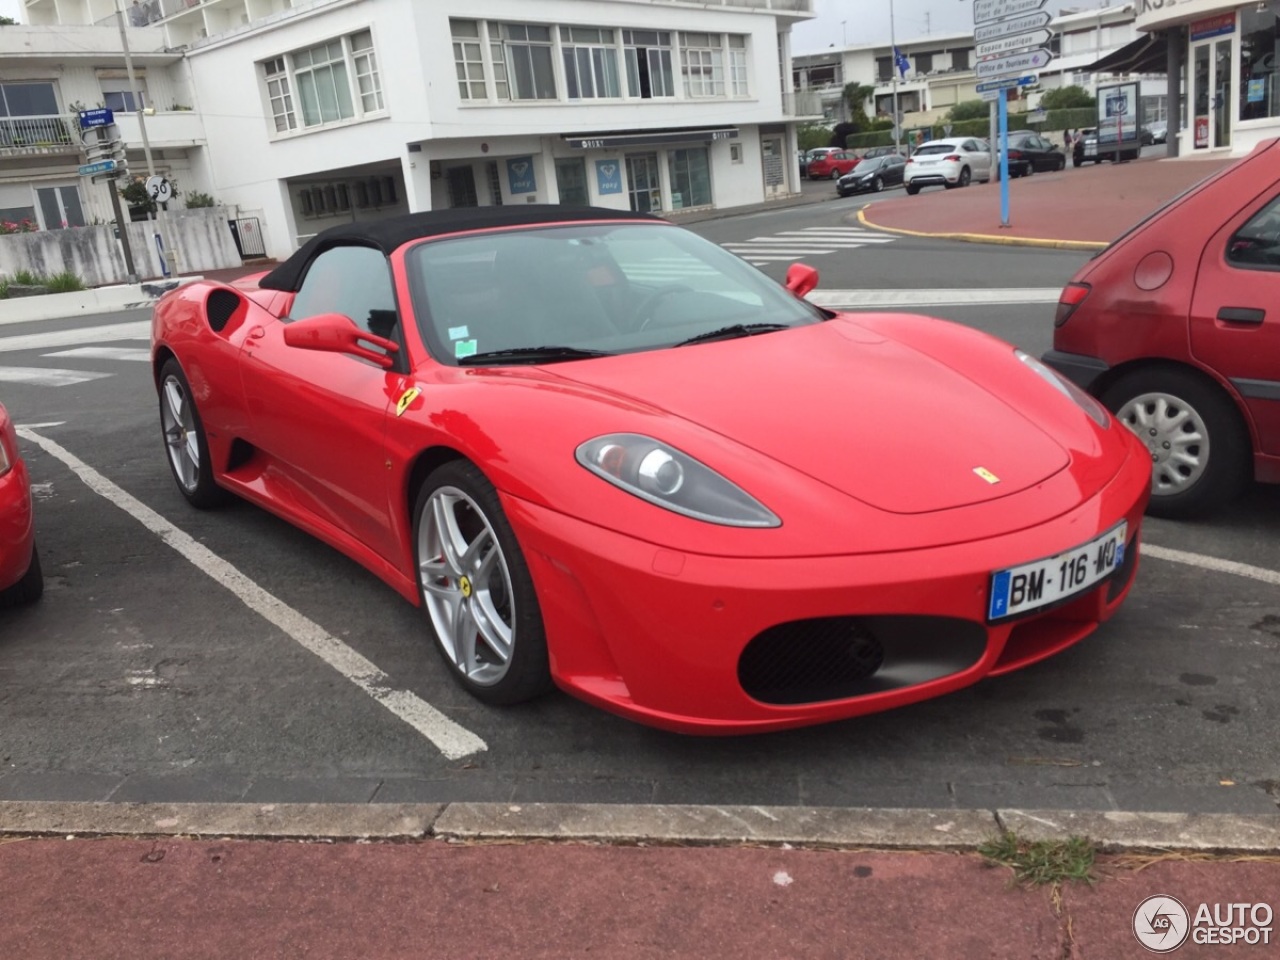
476 588
835 174
965 176
1062 164
1198 443
184 439
912 189
27 590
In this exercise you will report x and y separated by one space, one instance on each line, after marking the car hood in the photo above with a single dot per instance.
863 413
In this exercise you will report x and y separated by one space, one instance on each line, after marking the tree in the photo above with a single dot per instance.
812 135
8 22
1067 98
856 96
970 110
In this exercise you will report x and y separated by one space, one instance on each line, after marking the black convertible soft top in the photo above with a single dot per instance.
390 233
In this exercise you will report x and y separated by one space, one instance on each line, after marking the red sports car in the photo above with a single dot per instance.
20 577
600 451
1176 327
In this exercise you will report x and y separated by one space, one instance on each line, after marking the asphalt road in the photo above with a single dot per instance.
142 676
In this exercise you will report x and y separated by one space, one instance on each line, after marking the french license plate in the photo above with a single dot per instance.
1040 583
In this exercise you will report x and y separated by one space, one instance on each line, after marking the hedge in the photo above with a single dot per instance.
1054 123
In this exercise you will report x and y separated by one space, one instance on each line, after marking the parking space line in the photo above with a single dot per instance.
452 740
1212 563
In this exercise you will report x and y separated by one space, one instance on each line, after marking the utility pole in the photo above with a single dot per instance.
893 78
166 240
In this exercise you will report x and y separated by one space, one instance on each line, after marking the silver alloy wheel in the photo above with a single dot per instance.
180 435
466 586
1176 436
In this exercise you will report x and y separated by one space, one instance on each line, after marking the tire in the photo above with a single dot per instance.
1030 169
1199 445
1062 164
835 174
181 428
27 590
965 177
476 590
912 189
877 185
1075 162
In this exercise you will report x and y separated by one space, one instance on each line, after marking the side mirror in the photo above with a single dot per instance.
334 333
801 278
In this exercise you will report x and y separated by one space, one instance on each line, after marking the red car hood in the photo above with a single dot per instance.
864 414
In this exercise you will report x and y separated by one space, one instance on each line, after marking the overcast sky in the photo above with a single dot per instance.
13 10
867 21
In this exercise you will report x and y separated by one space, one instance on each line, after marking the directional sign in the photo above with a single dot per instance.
988 11
1014 43
101 166
1014 63
1006 28
96 118
1004 84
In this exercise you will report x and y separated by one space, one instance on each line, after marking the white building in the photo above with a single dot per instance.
335 110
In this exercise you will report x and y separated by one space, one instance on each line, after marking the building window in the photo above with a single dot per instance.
590 63
323 85
366 64
702 63
924 63
60 207
278 94
884 69
28 100
468 59
738 66
1259 54
495 182
735 152
960 58
118 93
690 178
527 53
648 57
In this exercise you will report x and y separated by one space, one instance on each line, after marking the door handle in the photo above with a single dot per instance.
257 333
1242 314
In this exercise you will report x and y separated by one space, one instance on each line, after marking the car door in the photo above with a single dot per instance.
1235 310
320 417
891 170
979 159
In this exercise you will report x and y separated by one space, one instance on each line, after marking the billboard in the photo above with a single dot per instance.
1119 116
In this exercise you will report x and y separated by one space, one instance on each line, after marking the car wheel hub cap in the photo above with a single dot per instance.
466 586
178 422
1175 436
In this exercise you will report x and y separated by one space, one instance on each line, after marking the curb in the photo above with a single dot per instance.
55 306
837 827
986 237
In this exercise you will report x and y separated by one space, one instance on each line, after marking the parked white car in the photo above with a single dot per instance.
948 163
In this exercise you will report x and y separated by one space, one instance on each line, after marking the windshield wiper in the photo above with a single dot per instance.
734 331
545 354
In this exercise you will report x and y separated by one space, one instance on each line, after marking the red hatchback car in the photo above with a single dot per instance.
20 577
833 165
1176 328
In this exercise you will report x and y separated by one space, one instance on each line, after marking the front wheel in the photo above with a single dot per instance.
184 439
476 588
877 185
1199 447
1061 164
27 590
912 189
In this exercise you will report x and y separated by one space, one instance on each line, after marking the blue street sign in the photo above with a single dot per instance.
101 166
1004 83
96 118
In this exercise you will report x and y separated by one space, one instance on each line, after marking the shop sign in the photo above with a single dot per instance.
1223 23
608 176
1202 131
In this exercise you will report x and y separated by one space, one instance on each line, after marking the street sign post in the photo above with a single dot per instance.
988 11
1006 28
1013 43
101 117
1004 83
1013 63
101 166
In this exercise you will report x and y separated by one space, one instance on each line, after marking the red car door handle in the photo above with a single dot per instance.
1242 314
256 333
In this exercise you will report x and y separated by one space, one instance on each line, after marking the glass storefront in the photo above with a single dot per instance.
690 178
1259 50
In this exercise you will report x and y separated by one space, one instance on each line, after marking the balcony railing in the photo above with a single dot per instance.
27 133
792 6
802 103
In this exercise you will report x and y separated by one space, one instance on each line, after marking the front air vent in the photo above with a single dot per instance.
220 307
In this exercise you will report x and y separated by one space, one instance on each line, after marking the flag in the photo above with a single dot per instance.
901 62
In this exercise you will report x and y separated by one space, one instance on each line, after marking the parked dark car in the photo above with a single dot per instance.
1029 153
877 152
1086 149
874 174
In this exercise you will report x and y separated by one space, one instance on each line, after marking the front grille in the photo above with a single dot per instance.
220 307
833 658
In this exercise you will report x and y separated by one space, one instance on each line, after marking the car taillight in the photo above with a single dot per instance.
910 160
1015 154
954 156
1073 295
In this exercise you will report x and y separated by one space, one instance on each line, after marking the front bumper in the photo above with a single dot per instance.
1081 370
659 636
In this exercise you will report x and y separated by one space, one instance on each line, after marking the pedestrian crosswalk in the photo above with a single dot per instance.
77 344
787 245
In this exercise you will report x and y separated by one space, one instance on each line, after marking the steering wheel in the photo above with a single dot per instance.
643 313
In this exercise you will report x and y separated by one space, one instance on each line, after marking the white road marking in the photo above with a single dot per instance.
39 426
757 258
898 299
453 740
1211 563
131 330
47 376
105 353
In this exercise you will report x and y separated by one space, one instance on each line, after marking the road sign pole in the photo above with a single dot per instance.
114 190
1003 119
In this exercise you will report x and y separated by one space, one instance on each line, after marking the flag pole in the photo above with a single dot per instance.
893 77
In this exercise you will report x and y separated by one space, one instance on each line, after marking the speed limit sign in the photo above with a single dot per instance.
159 189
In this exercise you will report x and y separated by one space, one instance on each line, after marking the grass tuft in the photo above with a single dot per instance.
65 282
1039 862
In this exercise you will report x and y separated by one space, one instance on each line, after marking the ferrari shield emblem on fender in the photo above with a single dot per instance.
986 474
405 399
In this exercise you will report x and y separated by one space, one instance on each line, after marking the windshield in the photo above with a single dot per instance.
586 289
866 166
931 148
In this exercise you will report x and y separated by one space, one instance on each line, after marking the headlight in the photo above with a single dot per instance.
661 474
1096 411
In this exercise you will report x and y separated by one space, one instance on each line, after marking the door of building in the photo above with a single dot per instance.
775 175
462 187
643 183
571 181
1213 94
